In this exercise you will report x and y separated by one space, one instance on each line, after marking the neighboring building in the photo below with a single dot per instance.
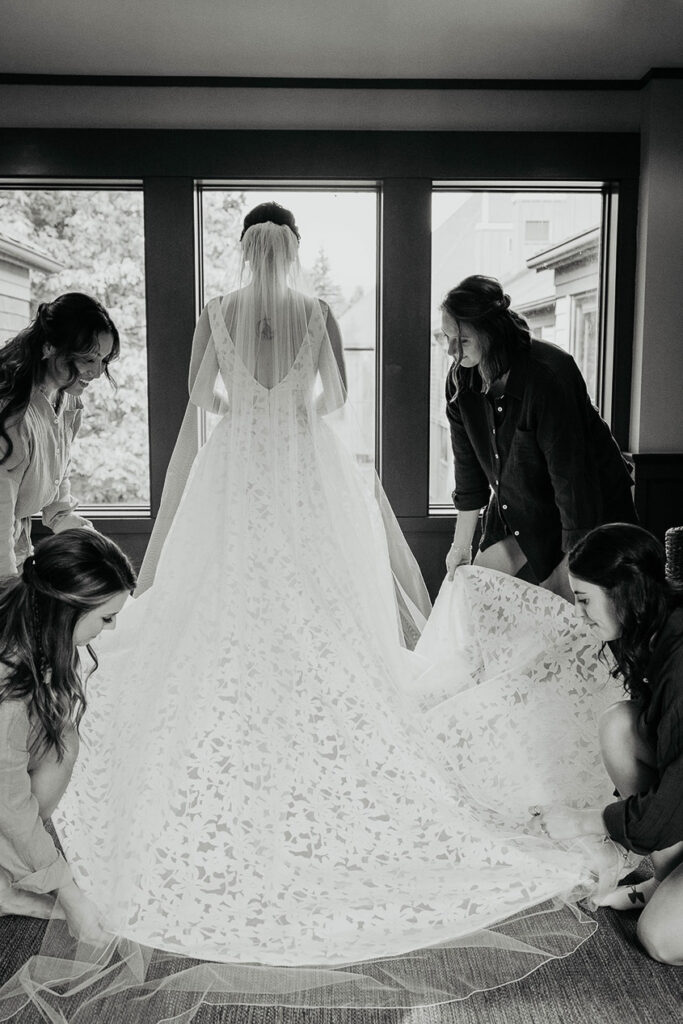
570 316
17 260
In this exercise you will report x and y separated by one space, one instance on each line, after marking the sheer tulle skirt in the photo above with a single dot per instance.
276 802
256 784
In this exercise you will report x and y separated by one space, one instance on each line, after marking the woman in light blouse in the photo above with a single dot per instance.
67 593
43 372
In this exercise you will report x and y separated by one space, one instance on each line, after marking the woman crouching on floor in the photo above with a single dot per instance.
67 593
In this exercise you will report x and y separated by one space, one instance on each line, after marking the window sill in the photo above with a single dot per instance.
109 519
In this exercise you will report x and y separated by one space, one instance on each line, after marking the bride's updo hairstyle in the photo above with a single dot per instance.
629 564
481 302
270 240
273 213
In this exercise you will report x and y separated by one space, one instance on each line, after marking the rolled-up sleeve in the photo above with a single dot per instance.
472 489
60 515
654 820
27 852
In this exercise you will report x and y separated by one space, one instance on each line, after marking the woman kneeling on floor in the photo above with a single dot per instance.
617 573
67 593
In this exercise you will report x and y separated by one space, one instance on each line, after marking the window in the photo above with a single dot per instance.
394 173
88 239
338 254
537 231
544 247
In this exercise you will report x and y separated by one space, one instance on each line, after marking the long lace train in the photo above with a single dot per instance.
509 686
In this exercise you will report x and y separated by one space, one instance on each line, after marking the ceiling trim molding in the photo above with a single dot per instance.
225 82
654 73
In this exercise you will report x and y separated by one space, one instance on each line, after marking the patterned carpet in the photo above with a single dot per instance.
607 981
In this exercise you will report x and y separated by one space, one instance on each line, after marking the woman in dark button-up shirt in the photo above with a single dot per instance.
528 443
617 573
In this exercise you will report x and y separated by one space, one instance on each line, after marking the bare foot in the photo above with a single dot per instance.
629 897
28 904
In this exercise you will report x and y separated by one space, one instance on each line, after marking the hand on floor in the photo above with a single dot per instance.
629 897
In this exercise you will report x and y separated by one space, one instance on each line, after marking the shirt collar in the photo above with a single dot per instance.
68 402
516 381
44 402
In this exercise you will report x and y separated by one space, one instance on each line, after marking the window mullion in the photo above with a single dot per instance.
170 271
404 343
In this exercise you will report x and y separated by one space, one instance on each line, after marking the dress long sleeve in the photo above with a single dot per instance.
331 365
27 852
205 387
206 391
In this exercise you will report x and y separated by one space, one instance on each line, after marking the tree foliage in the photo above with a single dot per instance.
324 285
98 237
222 214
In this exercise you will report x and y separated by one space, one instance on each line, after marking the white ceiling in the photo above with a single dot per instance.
572 39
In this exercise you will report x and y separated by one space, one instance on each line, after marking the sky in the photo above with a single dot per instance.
343 223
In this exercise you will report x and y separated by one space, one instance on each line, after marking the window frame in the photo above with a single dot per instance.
169 162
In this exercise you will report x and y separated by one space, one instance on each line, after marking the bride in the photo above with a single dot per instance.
271 784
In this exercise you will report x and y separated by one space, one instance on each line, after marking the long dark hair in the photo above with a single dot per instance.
629 563
71 325
481 302
70 574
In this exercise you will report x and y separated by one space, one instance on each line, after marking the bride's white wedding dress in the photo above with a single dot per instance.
255 784
268 777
